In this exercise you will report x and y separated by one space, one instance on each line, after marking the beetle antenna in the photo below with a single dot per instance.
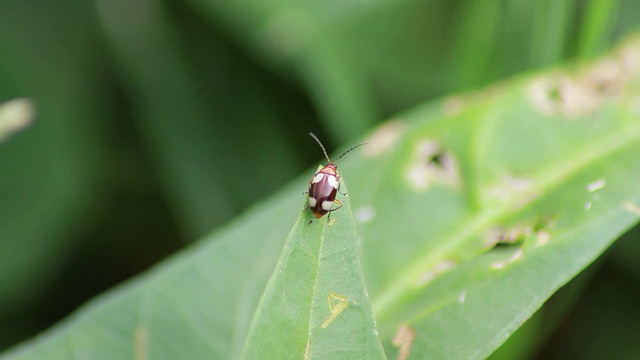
323 150
353 147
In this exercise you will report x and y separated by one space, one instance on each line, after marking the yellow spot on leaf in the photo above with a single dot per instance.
307 350
336 309
140 339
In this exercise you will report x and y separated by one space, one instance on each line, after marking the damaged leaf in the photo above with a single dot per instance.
315 305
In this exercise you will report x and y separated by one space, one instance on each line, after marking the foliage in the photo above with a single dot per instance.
150 133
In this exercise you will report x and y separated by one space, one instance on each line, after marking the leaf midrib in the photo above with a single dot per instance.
314 291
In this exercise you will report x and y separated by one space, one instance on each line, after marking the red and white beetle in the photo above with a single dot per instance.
325 185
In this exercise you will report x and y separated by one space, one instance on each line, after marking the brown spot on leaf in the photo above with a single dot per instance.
572 95
404 340
561 95
384 138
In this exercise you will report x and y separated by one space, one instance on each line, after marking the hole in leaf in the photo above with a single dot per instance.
516 235
432 164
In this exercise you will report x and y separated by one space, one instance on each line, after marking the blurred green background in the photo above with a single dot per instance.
159 121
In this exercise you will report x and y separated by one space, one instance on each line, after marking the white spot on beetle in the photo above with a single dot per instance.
365 214
596 185
318 178
312 201
326 205
587 205
333 181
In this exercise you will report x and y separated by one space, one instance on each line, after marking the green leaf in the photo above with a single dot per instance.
545 163
471 212
552 21
315 305
598 26
202 196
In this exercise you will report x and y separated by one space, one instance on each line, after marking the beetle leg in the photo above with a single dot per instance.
334 209
339 183
336 201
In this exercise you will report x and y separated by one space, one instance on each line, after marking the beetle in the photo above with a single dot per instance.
325 185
